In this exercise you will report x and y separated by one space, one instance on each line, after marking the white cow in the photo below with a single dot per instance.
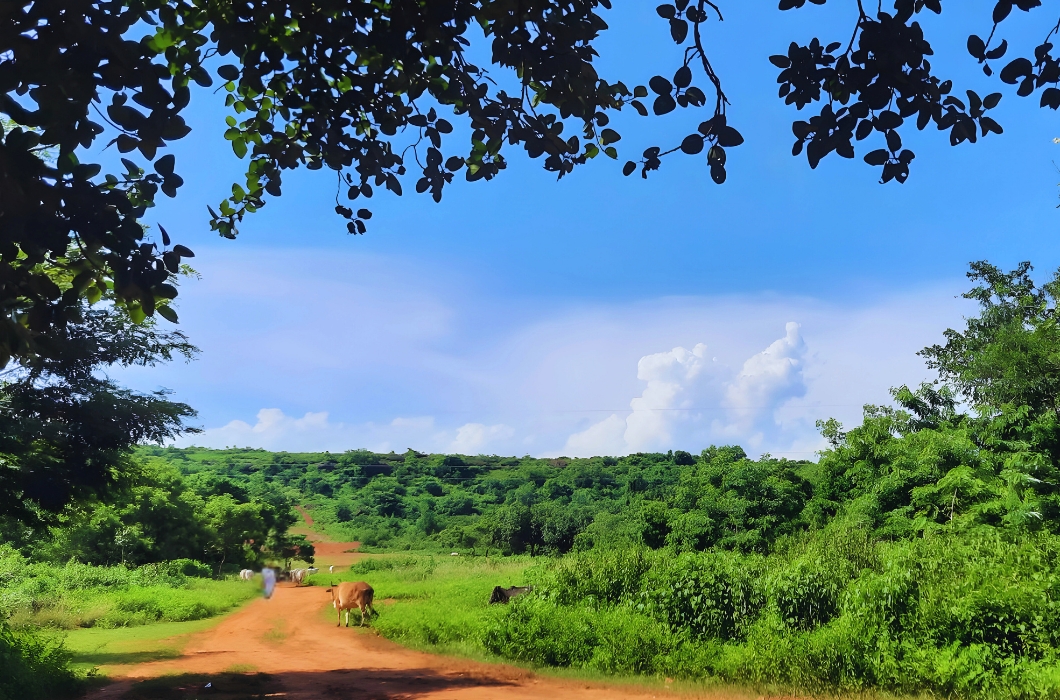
246 574
298 576
331 569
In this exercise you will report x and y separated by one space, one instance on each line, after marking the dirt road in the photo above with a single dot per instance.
287 647
307 658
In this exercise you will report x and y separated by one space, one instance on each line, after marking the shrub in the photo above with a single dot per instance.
806 593
33 667
596 576
715 594
954 615
537 631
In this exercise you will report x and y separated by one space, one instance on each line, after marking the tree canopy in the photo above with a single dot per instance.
66 429
365 89
976 450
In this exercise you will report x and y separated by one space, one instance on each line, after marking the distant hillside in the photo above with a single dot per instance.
436 501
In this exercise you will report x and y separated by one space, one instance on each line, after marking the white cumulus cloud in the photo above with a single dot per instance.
767 381
344 354
314 432
474 438
684 388
273 430
674 382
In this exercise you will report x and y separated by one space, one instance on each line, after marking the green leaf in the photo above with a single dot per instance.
167 313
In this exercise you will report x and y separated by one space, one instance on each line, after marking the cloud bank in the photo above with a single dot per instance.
686 389
314 432
355 356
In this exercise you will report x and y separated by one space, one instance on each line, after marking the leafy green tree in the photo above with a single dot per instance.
237 531
1010 353
655 518
288 546
555 525
359 88
737 503
927 464
511 527
65 428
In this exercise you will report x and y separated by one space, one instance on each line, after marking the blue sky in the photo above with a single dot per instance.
603 314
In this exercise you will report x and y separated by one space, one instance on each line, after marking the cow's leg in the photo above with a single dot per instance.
338 616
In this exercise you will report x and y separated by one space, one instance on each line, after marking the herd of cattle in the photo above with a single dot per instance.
296 575
348 595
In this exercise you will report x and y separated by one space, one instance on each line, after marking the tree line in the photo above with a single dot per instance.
977 448
156 514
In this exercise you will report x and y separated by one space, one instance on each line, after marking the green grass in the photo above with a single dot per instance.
432 603
99 647
39 595
130 606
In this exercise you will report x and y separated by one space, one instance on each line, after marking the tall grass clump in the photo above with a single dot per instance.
974 616
81 595
34 667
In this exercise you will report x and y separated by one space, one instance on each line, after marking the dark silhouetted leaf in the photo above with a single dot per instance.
877 157
664 104
683 77
660 85
1015 70
729 137
692 144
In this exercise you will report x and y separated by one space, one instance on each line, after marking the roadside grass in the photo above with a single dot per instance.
108 648
40 595
130 606
440 604
429 602
59 623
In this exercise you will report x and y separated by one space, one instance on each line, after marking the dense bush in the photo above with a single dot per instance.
973 615
80 595
33 667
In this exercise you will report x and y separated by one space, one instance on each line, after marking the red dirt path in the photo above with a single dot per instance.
306 657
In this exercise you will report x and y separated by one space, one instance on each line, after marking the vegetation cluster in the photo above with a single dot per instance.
37 595
155 514
918 554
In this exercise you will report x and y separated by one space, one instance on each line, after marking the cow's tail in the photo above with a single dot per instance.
368 598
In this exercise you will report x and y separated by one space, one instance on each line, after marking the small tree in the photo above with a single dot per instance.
289 546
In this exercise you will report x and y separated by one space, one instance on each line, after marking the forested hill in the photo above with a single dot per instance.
436 501
977 450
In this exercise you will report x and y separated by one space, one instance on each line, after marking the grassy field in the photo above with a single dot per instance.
37 595
131 606
433 603
106 648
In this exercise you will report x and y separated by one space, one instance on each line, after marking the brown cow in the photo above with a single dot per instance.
348 595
